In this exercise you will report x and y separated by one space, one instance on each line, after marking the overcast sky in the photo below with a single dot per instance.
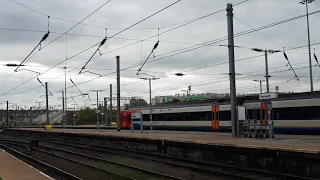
119 14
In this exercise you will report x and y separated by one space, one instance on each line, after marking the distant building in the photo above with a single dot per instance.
184 98
160 99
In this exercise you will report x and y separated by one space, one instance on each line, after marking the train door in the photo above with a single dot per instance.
215 118
264 114
123 120
263 119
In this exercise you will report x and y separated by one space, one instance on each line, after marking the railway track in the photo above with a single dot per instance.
115 169
50 170
206 168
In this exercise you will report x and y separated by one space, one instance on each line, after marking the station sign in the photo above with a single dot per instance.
270 95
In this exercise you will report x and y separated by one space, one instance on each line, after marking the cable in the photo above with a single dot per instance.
95 36
104 40
206 82
258 31
73 26
58 18
61 36
239 34
46 35
98 43
131 27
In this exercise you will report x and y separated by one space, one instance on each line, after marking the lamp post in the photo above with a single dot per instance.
306 2
266 62
150 104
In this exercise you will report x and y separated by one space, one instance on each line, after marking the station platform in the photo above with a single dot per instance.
295 143
12 168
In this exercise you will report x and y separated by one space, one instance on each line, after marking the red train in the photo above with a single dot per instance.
125 118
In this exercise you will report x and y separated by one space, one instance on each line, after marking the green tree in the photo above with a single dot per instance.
135 101
86 116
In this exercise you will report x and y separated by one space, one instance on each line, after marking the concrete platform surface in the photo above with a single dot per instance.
296 143
12 168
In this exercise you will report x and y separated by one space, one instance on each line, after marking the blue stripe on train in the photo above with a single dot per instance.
279 130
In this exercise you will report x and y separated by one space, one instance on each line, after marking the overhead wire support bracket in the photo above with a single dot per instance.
291 68
98 49
92 73
39 44
76 87
29 70
315 57
154 48
73 100
90 99
51 94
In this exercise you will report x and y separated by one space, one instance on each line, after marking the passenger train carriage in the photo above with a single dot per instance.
289 116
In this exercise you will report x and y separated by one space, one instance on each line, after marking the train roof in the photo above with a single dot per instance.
240 100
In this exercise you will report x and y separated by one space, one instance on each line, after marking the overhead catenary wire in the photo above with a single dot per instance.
158 59
291 68
258 31
104 40
39 44
47 34
206 82
72 21
273 24
108 38
96 36
75 25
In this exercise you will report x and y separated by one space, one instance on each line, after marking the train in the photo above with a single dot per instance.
297 113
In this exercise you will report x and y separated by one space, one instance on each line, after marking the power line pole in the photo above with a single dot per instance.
47 103
260 81
110 120
65 95
74 114
266 63
151 123
306 2
118 93
267 70
232 73
64 117
7 117
31 116
105 110
97 111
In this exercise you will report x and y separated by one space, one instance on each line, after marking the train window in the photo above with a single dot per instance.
297 113
188 117
146 117
179 117
161 117
170 117
225 115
